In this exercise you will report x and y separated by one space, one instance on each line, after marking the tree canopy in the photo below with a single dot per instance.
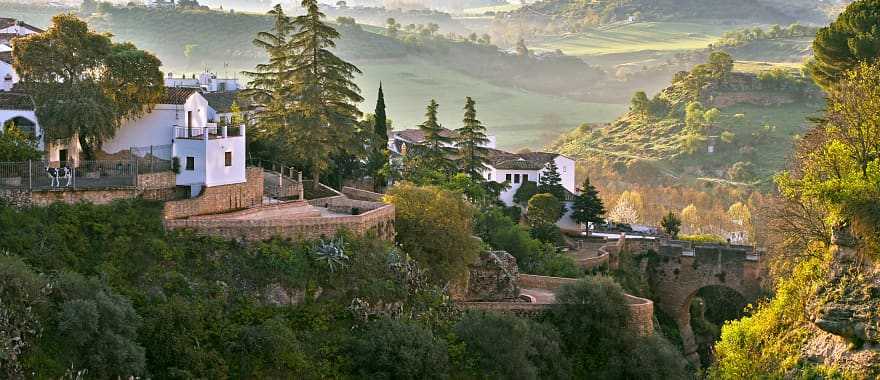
84 84
851 39
470 139
588 207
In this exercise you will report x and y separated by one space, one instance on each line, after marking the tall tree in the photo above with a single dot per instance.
551 181
588 207
435 150
325 92
853 38
84 84
379 154
470 142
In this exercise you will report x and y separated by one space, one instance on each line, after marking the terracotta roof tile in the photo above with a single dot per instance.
177 95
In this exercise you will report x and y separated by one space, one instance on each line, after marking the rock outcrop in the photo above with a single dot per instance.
493 278
846 313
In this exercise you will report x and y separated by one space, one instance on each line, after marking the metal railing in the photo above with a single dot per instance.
212 131
99 174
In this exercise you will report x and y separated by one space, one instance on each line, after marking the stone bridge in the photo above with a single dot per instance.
679 270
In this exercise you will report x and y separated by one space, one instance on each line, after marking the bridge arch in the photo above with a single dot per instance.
677 273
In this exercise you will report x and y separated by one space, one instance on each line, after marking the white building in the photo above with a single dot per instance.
512 168
18 109
208 154
399 141
8 76
207 82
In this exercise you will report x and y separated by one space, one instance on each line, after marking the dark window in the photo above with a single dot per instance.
190 163
507 178
516 178
525 178
228 157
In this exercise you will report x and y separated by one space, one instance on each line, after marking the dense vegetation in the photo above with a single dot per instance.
104 291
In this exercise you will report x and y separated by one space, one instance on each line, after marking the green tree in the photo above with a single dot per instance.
24 308
544 209
720 64
526 191
851 39
470 141
588 207
392 27
324 93
551 181
436 148
493 341
379 154
671 224
90 85
639 104
396 349
16 145
434 226
694 118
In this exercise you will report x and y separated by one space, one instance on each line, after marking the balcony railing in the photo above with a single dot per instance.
210 132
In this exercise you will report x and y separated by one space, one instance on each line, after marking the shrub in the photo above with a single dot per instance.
508 347
394 349
544 209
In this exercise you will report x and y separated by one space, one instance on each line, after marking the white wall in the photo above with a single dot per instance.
6 69
184 148
216 172
500 176
566 172
6 115
154 128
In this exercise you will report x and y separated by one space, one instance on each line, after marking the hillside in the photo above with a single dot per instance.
735 127
525 101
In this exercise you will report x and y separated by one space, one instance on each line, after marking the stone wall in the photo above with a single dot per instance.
493 278
379 221
641 309
362 195
159 186
220 199
343 205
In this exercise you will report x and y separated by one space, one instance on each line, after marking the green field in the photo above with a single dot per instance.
636 37
494 8
518 118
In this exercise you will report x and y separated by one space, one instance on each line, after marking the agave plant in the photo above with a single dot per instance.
332 253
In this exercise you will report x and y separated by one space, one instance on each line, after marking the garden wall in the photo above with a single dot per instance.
220 199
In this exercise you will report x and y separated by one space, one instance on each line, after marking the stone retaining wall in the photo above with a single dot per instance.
343 205
220 199
379 221
362 195
159 186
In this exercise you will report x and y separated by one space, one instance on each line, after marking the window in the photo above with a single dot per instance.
516 178
190 163
489 177
507 178
525 178
228 158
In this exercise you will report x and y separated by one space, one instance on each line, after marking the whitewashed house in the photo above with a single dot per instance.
18 109
8 76
504 167
209 155
207 82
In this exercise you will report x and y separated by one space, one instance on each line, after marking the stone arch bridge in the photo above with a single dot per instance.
679 270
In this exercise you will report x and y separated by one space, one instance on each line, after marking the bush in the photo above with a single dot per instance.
508 347
393 349
544 209
526 191
434 226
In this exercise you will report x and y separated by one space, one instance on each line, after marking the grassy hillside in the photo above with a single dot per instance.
519 118
512 92
756 119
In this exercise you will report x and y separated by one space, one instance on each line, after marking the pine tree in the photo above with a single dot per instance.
588 207
435 149
268 86
324 92
551 182
470 141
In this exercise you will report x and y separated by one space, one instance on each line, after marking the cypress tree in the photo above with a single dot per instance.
380 124
379 154
588 207
324 91
470 140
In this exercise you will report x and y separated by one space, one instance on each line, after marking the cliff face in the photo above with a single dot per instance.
846 314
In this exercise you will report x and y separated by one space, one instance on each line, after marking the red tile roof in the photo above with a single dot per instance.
177 95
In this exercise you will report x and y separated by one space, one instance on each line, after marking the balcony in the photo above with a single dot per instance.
210 132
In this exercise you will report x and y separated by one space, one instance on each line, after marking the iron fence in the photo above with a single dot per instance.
98 174
153 158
